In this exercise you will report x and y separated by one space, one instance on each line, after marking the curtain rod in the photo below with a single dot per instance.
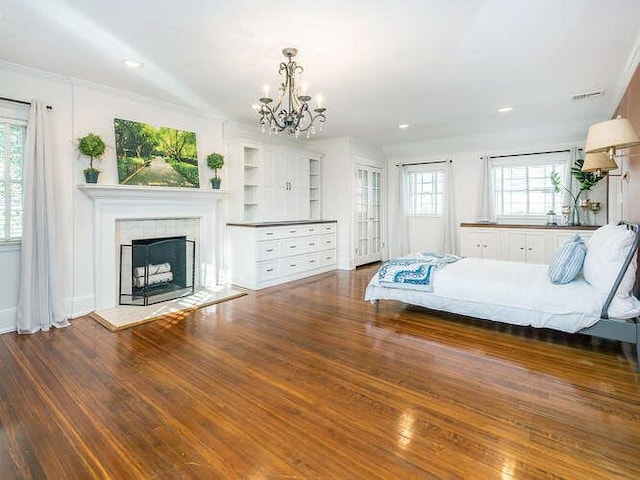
532 153
422 163
49 107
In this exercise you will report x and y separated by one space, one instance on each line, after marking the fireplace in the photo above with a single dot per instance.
122 213
154 270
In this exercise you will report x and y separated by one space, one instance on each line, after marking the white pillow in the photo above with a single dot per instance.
606 252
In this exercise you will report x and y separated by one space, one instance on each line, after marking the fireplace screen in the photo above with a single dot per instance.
155 270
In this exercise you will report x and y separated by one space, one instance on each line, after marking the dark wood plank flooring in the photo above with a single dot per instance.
305 381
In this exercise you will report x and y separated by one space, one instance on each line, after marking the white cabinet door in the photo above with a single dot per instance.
368 218
286 185
480 243
515 246
536 247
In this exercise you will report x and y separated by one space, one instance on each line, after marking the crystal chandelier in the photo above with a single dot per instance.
291 113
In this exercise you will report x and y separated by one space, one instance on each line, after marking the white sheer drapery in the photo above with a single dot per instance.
568 180
449 237
485 209
401 219
39 302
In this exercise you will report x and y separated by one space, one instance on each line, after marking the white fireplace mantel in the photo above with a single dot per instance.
135 192
121 202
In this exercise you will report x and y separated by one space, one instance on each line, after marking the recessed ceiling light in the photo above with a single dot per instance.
402 126
505 109
131 63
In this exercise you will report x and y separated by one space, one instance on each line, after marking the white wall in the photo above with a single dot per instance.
338 188
79 108
465 153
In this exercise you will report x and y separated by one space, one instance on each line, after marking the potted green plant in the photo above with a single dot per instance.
93 147
586 180
214 162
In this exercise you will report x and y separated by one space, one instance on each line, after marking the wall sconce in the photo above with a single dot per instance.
605 138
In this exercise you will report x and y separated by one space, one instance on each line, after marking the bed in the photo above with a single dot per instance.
601 301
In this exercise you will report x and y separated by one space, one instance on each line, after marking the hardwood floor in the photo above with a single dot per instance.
305 381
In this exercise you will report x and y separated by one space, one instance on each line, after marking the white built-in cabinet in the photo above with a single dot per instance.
517 244
267 254
269 183
286 185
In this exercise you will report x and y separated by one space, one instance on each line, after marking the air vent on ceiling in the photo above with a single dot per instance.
585 95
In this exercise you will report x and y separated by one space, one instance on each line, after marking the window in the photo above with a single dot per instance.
425 192
522 184
12 138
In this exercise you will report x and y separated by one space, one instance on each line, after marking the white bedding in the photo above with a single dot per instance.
510 292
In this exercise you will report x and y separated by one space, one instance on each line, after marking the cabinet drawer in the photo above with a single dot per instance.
327 241
327 258
294 246
268 250
327 228
294 231
268 233
268 270
299 263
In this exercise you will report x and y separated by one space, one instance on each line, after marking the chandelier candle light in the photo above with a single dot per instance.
292 112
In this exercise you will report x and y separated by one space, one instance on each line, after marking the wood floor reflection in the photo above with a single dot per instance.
305 381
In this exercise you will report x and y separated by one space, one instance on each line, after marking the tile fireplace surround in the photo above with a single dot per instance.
115 205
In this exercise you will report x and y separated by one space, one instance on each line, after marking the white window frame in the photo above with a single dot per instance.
559 159
16 114
411 200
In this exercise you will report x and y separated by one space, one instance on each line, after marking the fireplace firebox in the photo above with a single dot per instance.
154 270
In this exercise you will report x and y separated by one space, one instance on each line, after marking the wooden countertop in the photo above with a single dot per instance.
536 227
279 224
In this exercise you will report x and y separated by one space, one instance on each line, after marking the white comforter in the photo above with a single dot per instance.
510 292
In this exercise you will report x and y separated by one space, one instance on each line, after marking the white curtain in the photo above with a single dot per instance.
401 219
485 210
449 237
567 181
39 302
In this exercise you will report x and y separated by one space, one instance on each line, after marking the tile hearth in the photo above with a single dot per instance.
127 316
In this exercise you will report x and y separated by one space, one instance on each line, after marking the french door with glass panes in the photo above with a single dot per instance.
368 228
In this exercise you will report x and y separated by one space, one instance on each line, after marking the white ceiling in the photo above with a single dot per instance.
443 66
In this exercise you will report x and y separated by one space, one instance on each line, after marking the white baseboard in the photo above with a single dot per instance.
8 320
73 307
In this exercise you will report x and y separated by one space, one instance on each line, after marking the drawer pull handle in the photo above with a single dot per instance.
312 261
312 244
312 229
269 269
269 233
292 231
270 250
327 258
293 264
293 246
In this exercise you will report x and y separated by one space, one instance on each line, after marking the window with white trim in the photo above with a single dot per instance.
13 127
522 185
425 191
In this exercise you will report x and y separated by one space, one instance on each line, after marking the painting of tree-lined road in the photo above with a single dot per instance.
155 156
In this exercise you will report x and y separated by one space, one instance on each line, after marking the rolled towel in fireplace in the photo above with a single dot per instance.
158 278
152 269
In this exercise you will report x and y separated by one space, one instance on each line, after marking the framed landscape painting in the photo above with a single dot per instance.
160 156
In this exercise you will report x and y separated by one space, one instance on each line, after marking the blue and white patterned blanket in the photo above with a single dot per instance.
414 273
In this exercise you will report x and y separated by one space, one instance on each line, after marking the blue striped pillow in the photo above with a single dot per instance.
567 260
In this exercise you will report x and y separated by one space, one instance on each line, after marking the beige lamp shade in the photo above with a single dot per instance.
598 162
616 133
